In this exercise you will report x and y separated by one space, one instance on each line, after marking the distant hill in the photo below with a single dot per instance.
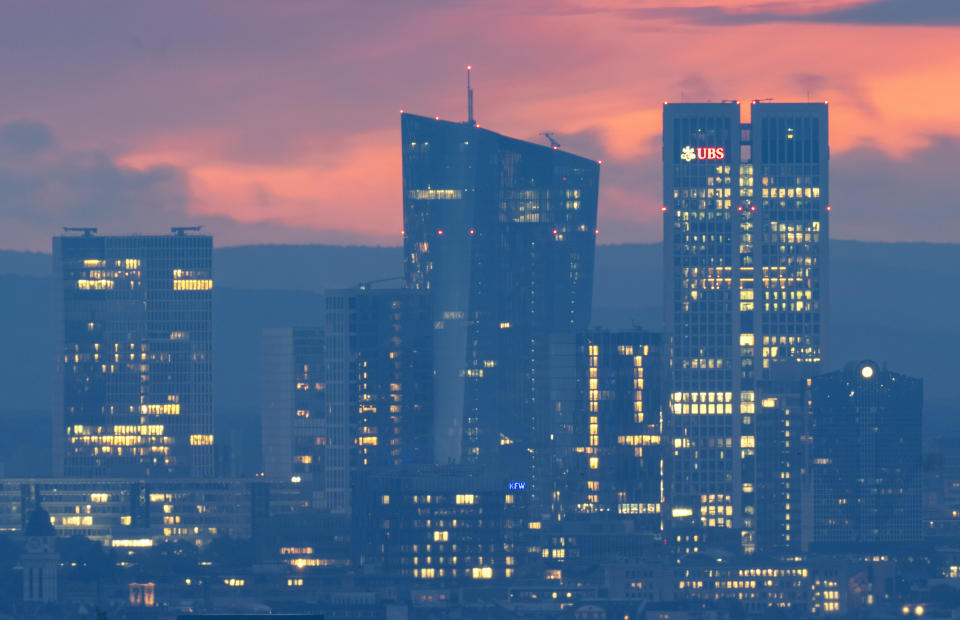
304 267
893 302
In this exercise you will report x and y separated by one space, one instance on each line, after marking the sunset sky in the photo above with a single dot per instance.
278 122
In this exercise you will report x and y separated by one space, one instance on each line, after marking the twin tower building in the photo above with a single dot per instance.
489 362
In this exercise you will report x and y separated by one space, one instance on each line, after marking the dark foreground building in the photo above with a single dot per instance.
501 232
867 458
133 332
745 230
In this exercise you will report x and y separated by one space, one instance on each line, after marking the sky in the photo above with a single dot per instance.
278 121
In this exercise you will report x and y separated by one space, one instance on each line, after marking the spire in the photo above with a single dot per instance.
469 98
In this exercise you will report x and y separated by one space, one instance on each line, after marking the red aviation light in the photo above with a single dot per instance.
596 231
740 208
439 231
403 233
829 208
663 209
753 207
473 231
555 231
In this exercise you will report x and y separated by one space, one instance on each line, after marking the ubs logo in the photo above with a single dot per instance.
688 153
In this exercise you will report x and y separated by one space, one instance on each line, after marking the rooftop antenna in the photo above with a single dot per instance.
87 232
469 98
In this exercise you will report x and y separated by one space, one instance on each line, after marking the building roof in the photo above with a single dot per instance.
39 523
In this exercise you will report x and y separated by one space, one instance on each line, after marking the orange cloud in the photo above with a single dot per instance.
347 192
305 133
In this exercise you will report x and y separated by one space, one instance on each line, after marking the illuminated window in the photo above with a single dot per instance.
192 284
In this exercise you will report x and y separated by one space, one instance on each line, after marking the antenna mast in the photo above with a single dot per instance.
469 98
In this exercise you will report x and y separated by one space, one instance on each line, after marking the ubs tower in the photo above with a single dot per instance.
501 232
133 392
745 223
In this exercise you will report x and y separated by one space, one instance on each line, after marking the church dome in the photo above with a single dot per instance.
39 523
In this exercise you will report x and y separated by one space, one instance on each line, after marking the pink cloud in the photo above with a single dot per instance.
287 113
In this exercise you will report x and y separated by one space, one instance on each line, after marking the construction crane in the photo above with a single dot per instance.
180 230
365 285
553 142
86 231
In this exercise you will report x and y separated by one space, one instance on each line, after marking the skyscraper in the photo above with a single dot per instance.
294 411
867 456
133 392
606 423
379 382
745 212
501 233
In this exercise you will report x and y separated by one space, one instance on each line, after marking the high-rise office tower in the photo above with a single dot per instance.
605 393
867 456
379 383
501 233
133 392
294 412
745 214
781 481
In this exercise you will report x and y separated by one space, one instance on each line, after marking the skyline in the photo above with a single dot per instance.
174 121
605 352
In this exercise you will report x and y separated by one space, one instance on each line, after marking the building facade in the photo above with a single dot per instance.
379 382
451 524
294 409
606 425
867 456
134 513
133 393
501 233
745 213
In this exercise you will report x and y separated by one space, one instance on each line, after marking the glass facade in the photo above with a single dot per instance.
379 383
745 241
501 232
133 392
867 456
606 424
294 411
